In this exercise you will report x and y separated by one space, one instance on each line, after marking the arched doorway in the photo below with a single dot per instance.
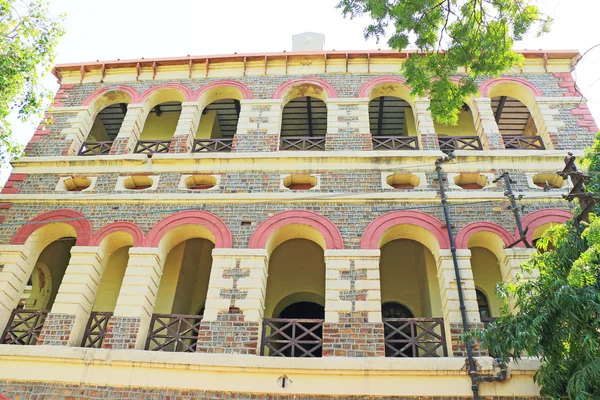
26 321
304 124
181 296
411 303
295 299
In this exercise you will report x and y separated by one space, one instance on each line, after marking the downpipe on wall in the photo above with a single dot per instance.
475 377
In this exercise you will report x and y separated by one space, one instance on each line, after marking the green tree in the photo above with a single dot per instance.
28 37
558 317
476 36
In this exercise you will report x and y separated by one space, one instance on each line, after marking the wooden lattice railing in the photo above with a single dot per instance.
414 337
302 143
173 332
152 146
395 143
285 337
24 327
212 145
95 329
95 148
515 142
450 143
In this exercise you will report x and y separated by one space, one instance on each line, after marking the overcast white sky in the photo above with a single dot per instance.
111 29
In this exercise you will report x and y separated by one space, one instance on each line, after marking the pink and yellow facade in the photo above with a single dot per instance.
270 226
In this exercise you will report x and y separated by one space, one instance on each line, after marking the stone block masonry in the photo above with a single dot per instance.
353 336
56 391
121 333
56 330
229 334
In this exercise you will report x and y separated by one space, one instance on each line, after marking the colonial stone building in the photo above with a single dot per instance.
271 226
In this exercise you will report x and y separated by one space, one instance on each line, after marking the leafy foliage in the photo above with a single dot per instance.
558 317
28 37
476 36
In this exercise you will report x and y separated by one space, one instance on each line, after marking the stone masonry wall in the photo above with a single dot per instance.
56 391
55 143
353 336
350 218
230 334
56 330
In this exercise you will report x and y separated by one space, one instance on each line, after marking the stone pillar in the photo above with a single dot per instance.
450 303
183 138
353 325
130 130
65 324
78 129
348 125
485 124
511 265
548 127
259 126
14 273
235 302
424 125
128 327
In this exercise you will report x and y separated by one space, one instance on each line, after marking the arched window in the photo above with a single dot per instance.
483 304
304 124
159 128
462 136
218 124
392 124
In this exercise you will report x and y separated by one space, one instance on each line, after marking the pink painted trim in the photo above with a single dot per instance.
376 229
187 92
243 89
127 227
367 87
284 87
330 232
128 90
214 224
485 87
78 221
541 217
462 239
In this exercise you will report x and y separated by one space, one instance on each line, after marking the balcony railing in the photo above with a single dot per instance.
152 146
523 142
95 148
285 337
95 329
302 143
395 143
414 337
450 143
173 332
24 327
212 145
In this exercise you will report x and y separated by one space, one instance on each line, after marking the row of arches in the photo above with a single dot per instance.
186 240
391 110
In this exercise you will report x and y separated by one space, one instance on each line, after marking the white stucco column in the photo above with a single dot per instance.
14 273
185 132
130 130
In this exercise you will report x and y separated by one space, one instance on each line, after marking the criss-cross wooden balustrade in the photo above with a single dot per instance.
395 143
414 337
515 142
24 327
212 145
302 143
284 337
173 332
449 143
95 329
95 148
152 146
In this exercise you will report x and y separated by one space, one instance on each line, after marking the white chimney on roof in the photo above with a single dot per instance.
308 41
